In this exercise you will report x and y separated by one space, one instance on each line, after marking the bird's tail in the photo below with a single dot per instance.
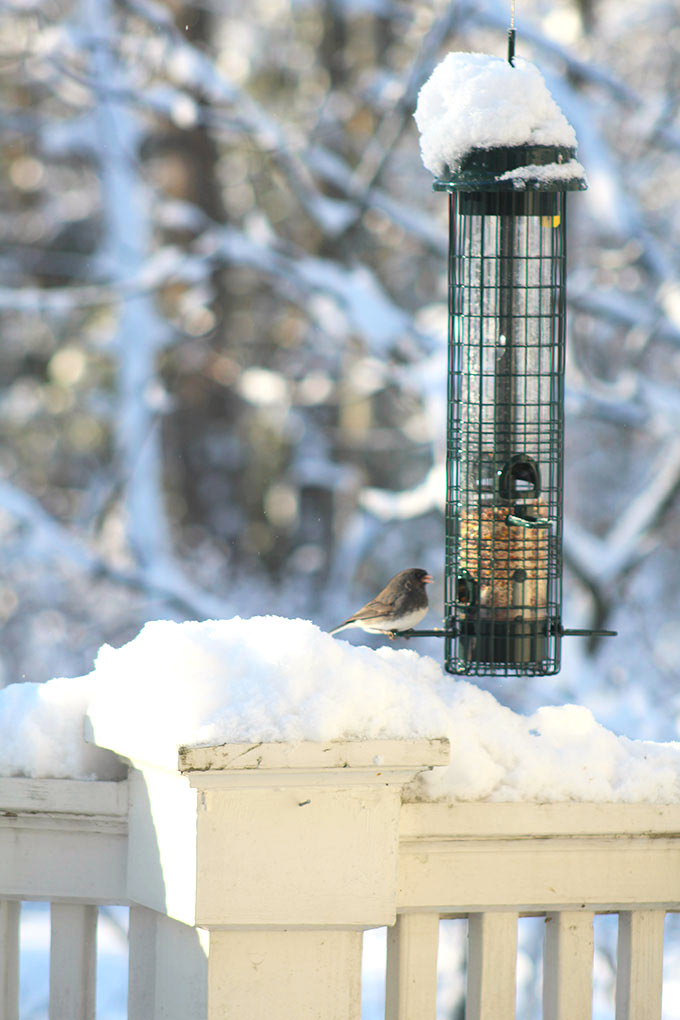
342 626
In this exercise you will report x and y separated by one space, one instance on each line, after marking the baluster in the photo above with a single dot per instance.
142 964
492 966
639 968
73 961
412 967
9 959
568 966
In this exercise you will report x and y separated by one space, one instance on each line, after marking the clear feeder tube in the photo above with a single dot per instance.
505 432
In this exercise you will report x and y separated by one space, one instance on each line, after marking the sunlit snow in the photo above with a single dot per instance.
274 679
476 101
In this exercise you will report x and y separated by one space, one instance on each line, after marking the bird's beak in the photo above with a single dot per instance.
428 579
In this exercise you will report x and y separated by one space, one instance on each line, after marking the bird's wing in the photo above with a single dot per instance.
374 608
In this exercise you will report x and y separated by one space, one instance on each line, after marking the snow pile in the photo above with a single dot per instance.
262 679
556 754
272 679
41 733
476 101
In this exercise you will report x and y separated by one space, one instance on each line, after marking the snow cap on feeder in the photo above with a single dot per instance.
500 146
488 124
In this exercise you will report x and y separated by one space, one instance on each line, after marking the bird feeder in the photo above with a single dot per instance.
505 433
505 429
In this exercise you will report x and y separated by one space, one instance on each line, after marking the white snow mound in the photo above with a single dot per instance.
477 101
41 732
273 679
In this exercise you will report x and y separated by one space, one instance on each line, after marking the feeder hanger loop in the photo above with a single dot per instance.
511 36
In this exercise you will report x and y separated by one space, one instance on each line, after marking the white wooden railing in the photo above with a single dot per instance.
251 872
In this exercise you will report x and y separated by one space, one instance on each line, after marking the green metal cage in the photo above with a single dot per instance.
505 433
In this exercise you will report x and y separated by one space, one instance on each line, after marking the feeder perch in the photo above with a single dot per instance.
505 431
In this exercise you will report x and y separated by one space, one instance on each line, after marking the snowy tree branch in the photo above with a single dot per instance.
48 539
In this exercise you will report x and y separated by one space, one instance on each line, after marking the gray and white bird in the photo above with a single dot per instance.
399 606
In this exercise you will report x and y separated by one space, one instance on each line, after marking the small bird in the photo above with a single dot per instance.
400 605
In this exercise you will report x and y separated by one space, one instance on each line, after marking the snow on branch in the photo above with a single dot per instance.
194 72
329 166
49 539
393 123
367 309
624 310
428 495
604 561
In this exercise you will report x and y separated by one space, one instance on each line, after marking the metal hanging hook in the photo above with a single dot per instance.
511 35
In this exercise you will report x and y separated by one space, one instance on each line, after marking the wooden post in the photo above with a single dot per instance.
286 975
285 853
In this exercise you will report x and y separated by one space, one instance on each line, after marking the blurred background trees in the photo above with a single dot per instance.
223 310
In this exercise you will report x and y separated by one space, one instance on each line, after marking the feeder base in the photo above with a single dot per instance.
511 643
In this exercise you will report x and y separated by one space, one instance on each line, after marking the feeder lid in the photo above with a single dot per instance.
516 168
489 125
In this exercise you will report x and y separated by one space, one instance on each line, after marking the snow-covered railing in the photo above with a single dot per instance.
252 870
